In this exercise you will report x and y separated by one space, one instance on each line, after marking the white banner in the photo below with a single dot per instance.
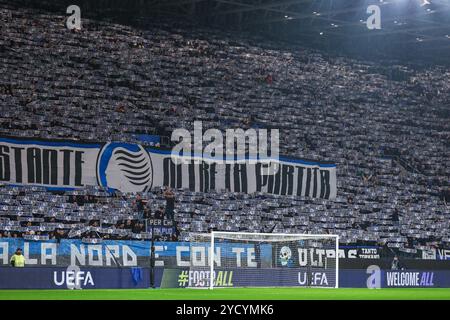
131 168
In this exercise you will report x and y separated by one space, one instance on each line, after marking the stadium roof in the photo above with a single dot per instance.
410 29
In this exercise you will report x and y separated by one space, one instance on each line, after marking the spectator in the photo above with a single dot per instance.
159 213
129 224
147 213
138 227
396 265
140 206
170 202
395 219
80 199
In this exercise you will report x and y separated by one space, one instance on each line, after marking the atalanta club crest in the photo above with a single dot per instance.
125 167
285 256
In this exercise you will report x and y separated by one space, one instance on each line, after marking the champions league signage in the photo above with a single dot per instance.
235 277
133 253
133 168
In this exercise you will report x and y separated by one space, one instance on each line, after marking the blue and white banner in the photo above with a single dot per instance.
436 254
133 253
133 168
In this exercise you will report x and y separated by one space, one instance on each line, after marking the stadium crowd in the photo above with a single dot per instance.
384 124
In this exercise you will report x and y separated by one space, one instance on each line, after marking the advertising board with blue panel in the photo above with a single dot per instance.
372 277
129 277
75 277
249 277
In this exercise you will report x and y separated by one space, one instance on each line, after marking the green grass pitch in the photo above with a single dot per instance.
230 294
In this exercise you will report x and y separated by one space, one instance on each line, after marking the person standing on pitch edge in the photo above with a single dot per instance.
18 260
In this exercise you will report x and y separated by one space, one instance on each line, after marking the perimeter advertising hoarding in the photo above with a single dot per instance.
117 278
86 278
300 277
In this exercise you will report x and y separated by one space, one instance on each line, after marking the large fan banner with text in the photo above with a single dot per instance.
133 168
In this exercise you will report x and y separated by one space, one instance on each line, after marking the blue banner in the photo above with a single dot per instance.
129 253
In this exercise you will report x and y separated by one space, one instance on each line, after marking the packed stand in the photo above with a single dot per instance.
389 137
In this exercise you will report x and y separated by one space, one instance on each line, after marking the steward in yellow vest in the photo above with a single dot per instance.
18 260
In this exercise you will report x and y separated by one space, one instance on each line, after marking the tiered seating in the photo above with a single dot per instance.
389 138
